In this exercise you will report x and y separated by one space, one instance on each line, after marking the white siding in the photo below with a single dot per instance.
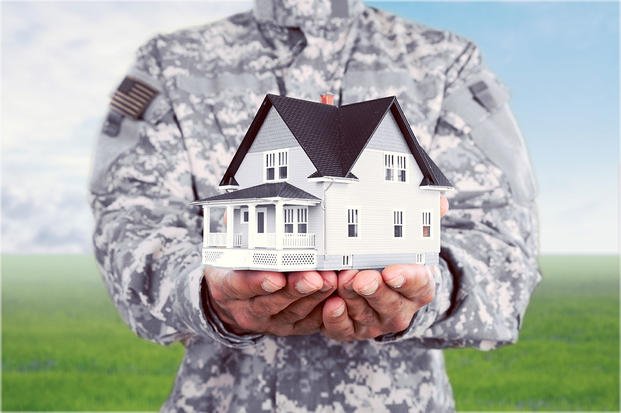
250 172
376 199
388 137
274 134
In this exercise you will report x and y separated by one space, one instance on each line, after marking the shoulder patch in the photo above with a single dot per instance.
132 97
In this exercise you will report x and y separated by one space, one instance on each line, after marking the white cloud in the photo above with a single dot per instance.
61 60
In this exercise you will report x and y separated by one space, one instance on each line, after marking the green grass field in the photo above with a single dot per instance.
65 348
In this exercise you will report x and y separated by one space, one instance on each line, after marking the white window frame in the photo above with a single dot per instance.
353 218
241 215
426 219
398 220
276 159
295 215
394 163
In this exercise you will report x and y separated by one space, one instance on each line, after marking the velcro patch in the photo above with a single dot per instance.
132 97
482 94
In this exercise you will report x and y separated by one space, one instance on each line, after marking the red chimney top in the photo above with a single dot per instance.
327 99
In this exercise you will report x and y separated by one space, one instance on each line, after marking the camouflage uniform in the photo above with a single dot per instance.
211 81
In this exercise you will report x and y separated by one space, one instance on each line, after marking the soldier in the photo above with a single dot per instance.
253 340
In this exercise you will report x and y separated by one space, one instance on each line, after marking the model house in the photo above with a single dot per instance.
316 186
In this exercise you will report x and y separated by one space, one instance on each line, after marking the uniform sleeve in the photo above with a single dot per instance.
488 261
147 239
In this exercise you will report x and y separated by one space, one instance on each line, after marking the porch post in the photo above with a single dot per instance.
229 226
206 225
252 224
279 223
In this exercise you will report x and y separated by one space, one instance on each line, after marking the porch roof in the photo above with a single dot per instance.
282 190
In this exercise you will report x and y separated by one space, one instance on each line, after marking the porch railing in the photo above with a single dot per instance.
216 239
298 240
265 240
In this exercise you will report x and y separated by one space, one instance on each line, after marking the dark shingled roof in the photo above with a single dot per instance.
271 190
334 137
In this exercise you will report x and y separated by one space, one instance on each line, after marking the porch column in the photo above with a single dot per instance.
252 224
229 226
279 223
206 225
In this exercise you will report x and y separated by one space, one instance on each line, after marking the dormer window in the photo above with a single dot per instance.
395 167
276 165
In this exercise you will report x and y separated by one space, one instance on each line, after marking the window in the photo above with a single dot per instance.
276 163
397 217
270 162
395 167
302 220
426 224
289 221
244 216
389 166
352 223
401 168
282 164
296 219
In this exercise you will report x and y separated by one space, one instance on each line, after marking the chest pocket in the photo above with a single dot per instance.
419 99
214 114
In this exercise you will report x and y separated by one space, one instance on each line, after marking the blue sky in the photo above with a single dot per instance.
61 60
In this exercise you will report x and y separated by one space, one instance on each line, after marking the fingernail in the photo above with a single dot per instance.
304 287
396 282
269 286
338 311
326 287
370 288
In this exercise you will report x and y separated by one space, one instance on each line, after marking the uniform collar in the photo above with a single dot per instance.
307 14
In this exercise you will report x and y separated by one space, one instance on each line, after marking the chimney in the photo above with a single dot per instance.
327 99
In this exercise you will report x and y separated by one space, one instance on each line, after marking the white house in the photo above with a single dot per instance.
316 186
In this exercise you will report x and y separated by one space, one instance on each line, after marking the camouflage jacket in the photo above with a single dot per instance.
210 81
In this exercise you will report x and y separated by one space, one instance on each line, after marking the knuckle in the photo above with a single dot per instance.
245 321
366 316
292 314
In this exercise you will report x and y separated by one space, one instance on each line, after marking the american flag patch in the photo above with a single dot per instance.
132 97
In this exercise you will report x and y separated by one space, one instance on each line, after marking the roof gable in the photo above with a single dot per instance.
334 137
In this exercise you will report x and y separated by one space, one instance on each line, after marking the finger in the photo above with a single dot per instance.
444 205
336 322
300 309
242 285
386 302
310 324
413 281
357 307
299 285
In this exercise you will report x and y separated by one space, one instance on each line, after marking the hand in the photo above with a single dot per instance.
372 303
268 302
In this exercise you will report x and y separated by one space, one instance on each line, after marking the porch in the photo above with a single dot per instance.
273 225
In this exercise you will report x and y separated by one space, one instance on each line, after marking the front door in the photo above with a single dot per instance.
261 222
